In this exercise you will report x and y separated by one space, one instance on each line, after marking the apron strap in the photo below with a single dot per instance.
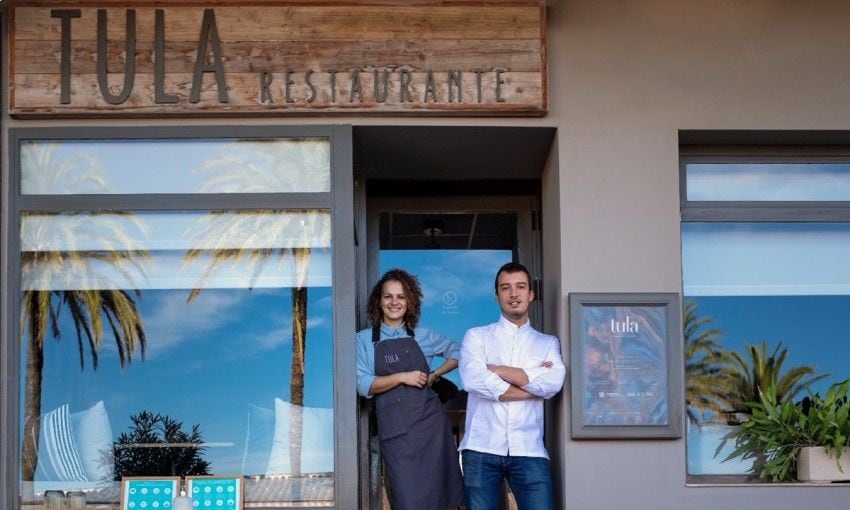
376 333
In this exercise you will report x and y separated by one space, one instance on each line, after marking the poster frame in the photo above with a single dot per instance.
669 303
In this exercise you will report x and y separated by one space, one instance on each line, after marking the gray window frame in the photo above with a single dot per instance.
693 211
760 211
339 200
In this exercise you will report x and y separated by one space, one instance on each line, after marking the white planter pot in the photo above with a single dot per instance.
815 465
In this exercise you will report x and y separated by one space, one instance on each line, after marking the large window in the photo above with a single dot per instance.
177 313
766 272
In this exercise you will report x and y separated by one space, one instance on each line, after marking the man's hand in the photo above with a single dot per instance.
513 394
513 375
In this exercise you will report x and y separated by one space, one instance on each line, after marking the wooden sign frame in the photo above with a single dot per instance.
253 58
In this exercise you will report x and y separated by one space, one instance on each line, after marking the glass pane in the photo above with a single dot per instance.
753 291
178 343
768 181
70 167
766 258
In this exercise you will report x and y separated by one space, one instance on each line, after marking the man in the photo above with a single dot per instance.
508 369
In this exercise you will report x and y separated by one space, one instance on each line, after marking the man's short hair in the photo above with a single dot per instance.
512 267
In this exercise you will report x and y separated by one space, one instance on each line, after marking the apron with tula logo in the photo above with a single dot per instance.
416 439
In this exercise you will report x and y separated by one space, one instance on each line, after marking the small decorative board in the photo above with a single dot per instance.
215 492
148 493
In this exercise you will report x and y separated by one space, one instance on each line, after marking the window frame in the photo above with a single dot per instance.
760 211
695 211
339 201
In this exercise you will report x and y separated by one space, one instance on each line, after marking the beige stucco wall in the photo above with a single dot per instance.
625 77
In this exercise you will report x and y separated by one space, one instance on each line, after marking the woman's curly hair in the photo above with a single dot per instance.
412 292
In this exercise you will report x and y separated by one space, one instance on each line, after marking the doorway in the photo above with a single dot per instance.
450 205
454 246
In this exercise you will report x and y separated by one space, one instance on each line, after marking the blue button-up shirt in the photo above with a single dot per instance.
431 343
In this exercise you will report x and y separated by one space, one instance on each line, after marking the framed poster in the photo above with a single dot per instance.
215 492
149 492
626 354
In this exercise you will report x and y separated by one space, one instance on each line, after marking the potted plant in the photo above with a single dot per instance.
785 438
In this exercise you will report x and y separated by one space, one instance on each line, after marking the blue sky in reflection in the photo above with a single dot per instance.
787 282
814 328
206 362
178 166
768 181
773 282
770 259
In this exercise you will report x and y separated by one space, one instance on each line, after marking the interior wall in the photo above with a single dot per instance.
624 78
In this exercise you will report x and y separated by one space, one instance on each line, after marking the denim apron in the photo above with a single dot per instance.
423 472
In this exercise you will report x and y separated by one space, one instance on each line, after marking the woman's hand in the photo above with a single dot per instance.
447 366
415 378
384 383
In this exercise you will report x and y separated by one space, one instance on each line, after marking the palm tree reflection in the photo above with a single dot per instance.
253 238
708 367
719 381
75 262
757 371
43 172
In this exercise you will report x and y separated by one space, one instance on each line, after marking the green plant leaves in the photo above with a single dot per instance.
776 431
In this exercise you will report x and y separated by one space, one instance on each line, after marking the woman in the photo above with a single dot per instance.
392 365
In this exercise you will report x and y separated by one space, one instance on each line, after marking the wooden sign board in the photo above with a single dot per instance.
456 58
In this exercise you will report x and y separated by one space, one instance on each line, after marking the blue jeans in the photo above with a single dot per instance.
528 477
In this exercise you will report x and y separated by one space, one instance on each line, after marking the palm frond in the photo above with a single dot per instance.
708 367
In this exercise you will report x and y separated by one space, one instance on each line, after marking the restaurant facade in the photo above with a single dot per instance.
198 196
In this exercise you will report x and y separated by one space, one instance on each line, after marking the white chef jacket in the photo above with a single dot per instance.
508 428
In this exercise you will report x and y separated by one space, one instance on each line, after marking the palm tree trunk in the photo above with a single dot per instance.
299 341
296 388
32 390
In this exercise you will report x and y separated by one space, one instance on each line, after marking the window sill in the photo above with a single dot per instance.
746 481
